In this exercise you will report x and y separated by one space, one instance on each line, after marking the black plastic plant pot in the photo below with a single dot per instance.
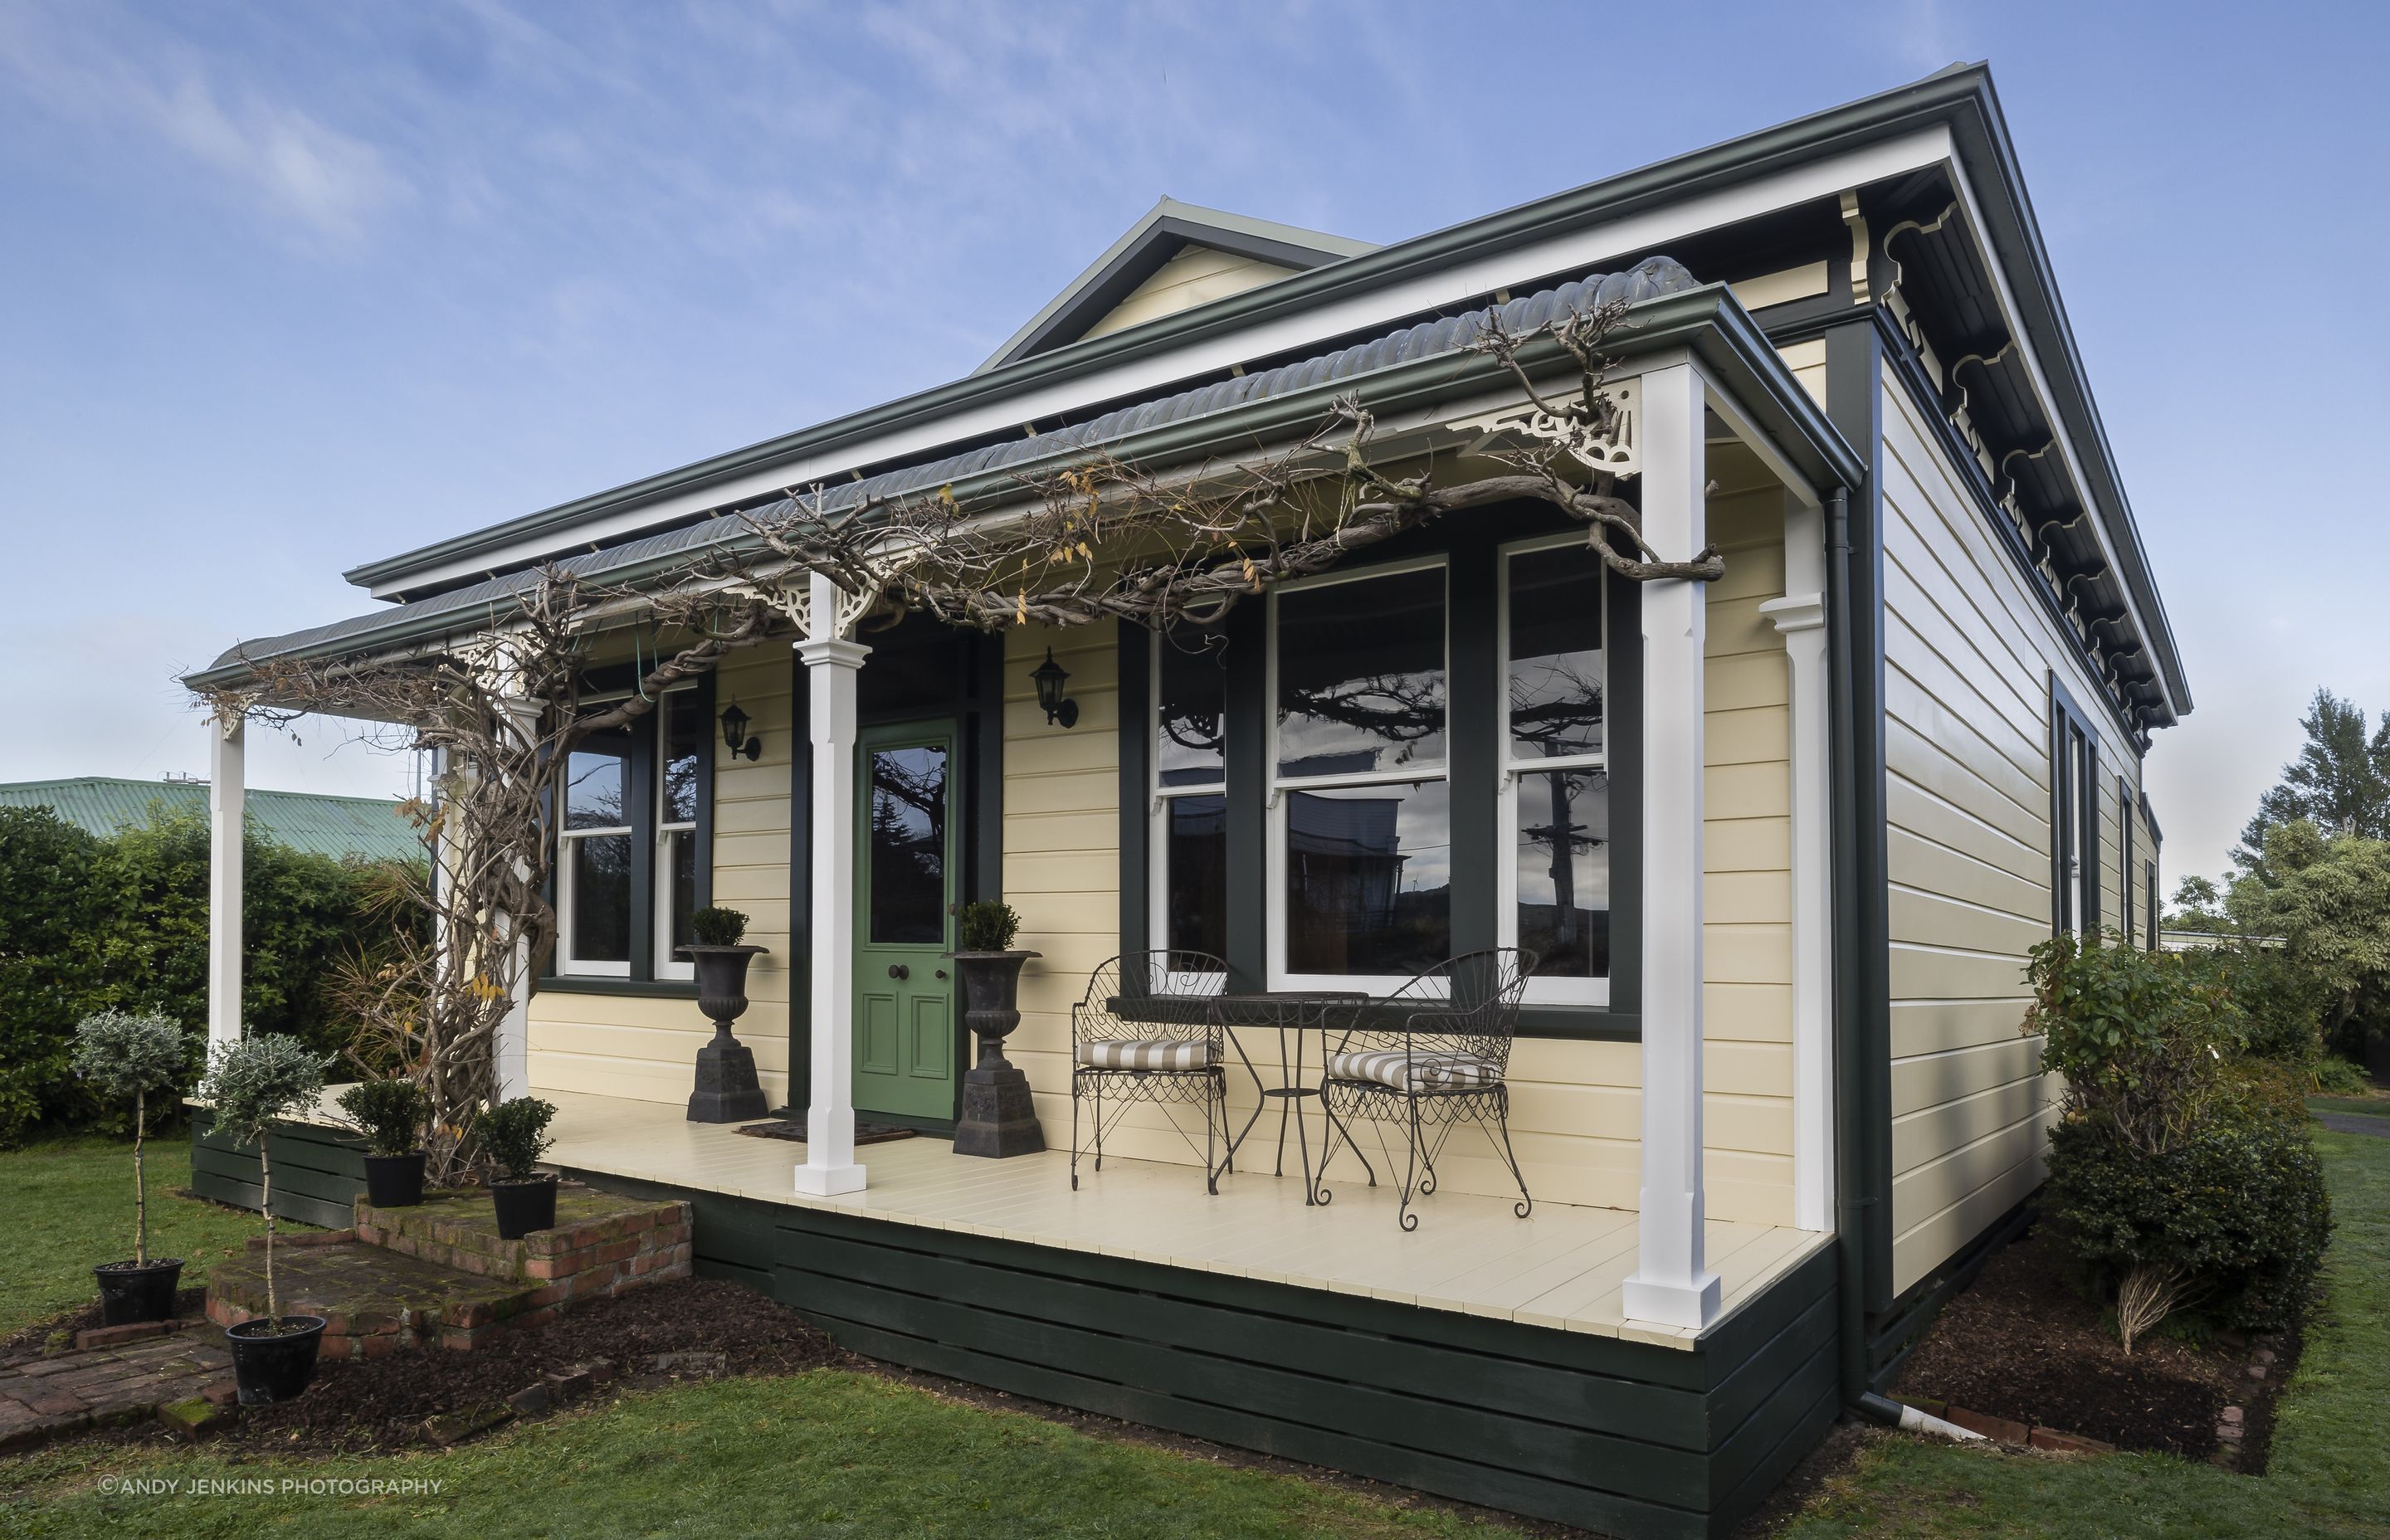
395 1181
131 1292
273 1360
524 1204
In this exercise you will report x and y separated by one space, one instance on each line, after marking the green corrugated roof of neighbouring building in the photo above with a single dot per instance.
367 826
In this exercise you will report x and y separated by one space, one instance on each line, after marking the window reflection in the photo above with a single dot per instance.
601 898
596 789
682 735
1564 856
1556 678
908 846
1190 702
1368 879
1360 675
1196 874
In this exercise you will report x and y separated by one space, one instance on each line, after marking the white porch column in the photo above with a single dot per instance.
1670 1285
1800 615
227 812
831 665
511 1052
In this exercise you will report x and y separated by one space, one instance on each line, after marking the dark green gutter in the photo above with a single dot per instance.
1707 321
1954 95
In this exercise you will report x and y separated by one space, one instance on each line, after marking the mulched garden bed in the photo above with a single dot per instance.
383 1403
2020 1342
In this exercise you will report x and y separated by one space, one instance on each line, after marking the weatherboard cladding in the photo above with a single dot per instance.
481 602
365 827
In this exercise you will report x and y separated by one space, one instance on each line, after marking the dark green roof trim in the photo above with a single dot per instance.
1962 97
1706 320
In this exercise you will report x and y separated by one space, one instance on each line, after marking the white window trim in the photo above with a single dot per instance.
567 965
667 966
1274 864
1540 990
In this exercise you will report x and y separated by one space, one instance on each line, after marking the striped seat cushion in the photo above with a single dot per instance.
1164 1053
1415 1072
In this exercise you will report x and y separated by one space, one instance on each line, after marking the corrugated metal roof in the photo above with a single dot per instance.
307 821
493 598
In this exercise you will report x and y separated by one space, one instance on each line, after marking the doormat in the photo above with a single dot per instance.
794 1128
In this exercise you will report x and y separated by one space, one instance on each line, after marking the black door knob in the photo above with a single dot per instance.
898 970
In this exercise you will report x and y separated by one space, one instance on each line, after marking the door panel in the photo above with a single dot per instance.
906 888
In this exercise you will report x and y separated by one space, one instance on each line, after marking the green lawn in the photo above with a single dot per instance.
69 1204
2371 1107
2329 1473
830 1453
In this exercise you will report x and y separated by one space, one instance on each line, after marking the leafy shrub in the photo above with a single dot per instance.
2181 1173
391 1113
89 924
514 1134
717 927
2335 1076
987 926
2236 1206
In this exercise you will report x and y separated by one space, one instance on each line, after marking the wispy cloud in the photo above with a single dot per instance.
110 73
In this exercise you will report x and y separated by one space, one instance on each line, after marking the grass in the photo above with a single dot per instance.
831 1452
2371 1107
69 1203
2329 1474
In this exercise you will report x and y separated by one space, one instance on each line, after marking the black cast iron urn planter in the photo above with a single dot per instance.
999 1120
131 1291
726 1090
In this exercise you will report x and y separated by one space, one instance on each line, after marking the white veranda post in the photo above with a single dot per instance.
1800 615
830 663
1671 1286
511 1052
227 807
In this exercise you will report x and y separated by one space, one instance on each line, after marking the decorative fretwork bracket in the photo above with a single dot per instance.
1615 453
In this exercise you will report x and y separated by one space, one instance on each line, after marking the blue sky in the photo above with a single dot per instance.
285 288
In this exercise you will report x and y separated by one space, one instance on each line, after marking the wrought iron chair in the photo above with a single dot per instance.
1427 1058
1146 1031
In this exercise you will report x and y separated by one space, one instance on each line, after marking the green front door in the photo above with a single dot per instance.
904 892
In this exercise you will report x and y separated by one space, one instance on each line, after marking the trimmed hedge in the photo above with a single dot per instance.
88 923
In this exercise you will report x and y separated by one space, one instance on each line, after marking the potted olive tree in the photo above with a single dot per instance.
126 1058
727 1088
254 1084
998 1118
390 1113
514 1135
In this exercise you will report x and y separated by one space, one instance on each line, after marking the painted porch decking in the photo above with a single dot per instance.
1561 1268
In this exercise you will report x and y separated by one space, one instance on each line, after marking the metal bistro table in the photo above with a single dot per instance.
1293 1014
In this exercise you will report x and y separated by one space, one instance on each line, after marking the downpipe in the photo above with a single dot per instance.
1892 1414
1852 1198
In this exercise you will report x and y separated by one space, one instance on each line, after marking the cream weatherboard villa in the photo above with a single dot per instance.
1766 1088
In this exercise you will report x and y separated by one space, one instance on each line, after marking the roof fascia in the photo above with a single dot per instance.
1708 322
1818 156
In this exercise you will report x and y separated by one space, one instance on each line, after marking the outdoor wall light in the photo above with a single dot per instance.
734 734
1050 678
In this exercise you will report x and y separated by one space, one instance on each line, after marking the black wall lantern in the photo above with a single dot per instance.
1050 679
734 733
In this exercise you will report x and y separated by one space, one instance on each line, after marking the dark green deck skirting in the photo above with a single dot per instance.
1617 1436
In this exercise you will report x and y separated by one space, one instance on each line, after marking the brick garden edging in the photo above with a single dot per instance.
2003 1430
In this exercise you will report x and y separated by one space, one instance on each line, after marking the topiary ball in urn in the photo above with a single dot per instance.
999 1120
727 1088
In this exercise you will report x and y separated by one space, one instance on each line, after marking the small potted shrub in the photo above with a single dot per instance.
254 1084
126 1058
390 1113
999 1120
514 1135
727 1088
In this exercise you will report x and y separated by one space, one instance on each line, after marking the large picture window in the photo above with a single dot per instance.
1360 870
1555 784
630 857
